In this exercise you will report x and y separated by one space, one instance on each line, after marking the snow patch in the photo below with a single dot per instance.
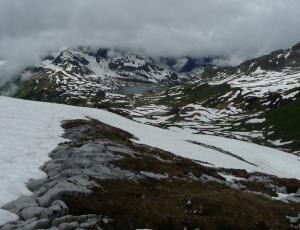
256 120
6 217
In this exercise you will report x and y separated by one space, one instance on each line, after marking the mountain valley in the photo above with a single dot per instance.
114 139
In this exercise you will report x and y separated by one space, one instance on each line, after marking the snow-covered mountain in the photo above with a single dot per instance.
269 80
109 64
83 76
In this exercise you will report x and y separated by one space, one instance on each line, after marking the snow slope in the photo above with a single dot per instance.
30 130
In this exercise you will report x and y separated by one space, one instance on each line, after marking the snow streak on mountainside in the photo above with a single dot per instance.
30 130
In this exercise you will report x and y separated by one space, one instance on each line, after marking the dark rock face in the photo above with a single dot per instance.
187 64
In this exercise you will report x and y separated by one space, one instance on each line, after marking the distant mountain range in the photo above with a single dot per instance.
255 101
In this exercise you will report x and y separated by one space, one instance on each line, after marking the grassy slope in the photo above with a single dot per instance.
195 94
285 121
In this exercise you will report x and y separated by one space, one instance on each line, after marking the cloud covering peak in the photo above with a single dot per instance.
233 28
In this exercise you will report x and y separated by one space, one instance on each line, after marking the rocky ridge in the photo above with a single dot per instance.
99 179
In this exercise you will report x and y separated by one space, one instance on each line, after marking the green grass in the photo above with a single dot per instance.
196 94
205 92
286 122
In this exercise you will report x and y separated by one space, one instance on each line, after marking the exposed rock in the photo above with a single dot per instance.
21 203
35 224
68 226
57 209
31 212
294 221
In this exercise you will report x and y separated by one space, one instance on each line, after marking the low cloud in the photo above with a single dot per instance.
236 29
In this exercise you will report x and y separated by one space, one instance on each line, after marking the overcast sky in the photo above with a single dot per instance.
238 29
